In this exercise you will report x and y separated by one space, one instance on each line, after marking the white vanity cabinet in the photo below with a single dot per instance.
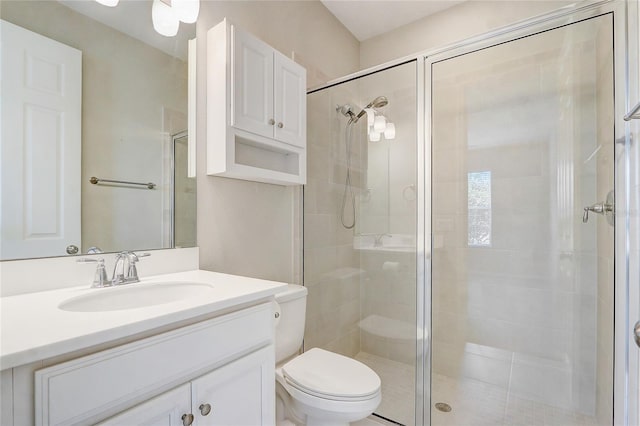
168 409
234 394
225 364
256 109
230 395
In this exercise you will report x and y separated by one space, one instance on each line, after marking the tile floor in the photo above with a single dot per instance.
474 402
398 385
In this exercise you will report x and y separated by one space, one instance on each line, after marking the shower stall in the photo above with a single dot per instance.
467 229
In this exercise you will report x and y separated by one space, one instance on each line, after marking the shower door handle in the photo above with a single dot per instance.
636 333
605 208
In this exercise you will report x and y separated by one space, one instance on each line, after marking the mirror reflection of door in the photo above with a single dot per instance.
184 195
41 109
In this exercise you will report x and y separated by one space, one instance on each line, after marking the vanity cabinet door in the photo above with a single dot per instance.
252 84
290 101
167 409
240 393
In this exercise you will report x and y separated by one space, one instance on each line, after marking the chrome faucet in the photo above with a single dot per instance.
100 278
126 276
131 275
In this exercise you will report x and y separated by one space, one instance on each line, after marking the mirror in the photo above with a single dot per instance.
92 93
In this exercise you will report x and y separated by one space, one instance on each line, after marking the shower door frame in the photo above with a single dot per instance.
625 33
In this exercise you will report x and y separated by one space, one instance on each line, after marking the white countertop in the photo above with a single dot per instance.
33 328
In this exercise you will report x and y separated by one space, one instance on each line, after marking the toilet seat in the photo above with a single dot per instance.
330 376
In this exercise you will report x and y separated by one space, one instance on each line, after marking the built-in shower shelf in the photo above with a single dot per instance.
389 328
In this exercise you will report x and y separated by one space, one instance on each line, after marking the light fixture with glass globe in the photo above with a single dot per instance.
167 14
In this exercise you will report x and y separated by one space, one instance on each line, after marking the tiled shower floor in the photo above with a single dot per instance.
473 402
476 403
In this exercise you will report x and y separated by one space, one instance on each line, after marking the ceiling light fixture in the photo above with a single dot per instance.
110 3
167 14
186 10
164 19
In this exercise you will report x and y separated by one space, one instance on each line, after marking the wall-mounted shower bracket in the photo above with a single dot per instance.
606 208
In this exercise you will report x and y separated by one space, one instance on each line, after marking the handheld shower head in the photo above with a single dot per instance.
378 102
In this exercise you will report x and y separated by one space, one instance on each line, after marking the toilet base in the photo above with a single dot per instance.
290 409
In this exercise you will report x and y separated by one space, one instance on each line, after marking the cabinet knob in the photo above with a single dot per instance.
187 419
280 125
272 121
205 409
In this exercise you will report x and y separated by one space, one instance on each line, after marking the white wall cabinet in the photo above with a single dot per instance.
252 85
256 109
225 363
290 101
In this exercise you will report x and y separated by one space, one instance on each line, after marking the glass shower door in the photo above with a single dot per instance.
522 277
360 229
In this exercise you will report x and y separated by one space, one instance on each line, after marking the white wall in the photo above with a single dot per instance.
456 23
249 228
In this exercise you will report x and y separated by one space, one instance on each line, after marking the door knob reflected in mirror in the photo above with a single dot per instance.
187 419
205 409
71 249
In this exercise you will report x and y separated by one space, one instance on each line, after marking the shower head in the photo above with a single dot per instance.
378 102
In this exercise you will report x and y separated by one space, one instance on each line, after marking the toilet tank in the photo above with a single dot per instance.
292 302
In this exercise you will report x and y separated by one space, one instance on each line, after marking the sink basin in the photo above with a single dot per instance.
134 296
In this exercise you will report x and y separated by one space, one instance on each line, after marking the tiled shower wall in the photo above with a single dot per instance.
389 212
332 271
347 285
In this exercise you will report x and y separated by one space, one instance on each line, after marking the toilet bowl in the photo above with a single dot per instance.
317 387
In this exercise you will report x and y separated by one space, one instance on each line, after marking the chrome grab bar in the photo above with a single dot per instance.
634 114
94 180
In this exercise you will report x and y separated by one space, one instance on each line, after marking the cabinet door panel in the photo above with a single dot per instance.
240 393
252 84
164 410
290 101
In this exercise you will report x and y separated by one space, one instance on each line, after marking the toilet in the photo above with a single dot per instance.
317 387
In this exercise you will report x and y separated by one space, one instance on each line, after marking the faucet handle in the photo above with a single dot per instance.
132 271
100 278
134 257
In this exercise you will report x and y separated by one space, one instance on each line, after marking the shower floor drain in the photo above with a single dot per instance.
444 407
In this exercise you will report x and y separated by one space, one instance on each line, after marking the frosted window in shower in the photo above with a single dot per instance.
479 209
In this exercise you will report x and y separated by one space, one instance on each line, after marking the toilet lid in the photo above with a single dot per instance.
327 374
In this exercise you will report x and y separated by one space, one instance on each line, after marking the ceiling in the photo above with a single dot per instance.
364 18
367 18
